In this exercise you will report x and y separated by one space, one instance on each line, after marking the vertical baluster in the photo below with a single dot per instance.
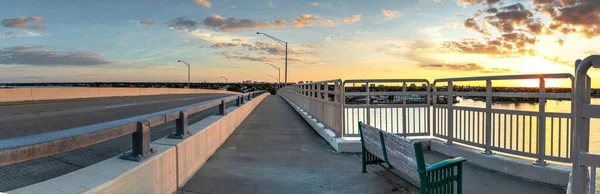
523 135
504 129
551 136
530 132
559 135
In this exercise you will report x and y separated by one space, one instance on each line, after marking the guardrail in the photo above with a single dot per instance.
19 149
321 99
537 134
410 117
583 161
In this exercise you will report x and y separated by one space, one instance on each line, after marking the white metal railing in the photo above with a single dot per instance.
537 134
583 161
322 100
405 116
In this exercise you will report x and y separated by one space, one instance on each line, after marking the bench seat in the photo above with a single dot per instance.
405 160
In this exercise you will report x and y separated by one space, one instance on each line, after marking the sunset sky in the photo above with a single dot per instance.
43 41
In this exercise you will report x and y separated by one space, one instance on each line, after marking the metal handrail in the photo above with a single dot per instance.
487 122
581 119
23 148
371 110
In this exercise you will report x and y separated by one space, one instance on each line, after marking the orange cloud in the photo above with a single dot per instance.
310 20
205 3
389 13
353 19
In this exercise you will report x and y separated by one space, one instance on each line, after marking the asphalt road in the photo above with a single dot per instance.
33 118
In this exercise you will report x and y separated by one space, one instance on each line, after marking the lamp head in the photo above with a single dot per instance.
257 32
179 61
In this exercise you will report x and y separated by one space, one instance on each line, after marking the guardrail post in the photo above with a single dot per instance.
541 140
450 101
488 117
404 119
222 108
368 103
242 99
249 97
140 149
237 101
181 127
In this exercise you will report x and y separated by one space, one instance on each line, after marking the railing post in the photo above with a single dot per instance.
140 149
541 140
450 101
368 103
237 101
181 127
488 117
249 97
222 108
404 119
337 99
242 100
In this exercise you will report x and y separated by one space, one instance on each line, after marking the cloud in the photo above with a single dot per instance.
271 4
471 2
353 19
146 22
560 42
572 16
182 23
264 47
557 60
310 20
390 13
463 67
592 52
232 24
245 57
32 55
471 23
23 22
312 44
507 45
314 4
205 3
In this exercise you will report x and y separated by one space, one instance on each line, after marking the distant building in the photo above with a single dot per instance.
424 85
413 85
247 82
372 85
300 82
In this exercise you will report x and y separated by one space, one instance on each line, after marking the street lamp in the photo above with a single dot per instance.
279 77
188 65
286 52
226 80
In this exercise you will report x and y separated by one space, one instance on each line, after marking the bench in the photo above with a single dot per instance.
405 160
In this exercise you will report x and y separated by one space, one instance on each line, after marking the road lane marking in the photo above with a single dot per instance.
190 98
121 105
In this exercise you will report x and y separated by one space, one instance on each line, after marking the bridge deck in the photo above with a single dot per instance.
274 151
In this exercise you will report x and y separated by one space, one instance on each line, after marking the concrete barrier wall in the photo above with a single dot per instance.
175 163
35 94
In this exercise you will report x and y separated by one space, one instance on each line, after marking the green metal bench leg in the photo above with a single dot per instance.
385 158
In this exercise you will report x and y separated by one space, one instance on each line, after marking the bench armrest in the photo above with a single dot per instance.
446 163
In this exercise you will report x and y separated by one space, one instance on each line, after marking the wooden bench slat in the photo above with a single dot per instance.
400 152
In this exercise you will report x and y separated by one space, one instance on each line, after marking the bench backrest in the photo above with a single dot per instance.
400 151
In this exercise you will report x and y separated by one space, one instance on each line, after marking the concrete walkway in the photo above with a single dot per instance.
275 151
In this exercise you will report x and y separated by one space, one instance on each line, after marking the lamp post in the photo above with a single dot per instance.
279 76
226 80
286 52
188 65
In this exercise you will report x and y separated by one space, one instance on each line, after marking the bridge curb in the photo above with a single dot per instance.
175 163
